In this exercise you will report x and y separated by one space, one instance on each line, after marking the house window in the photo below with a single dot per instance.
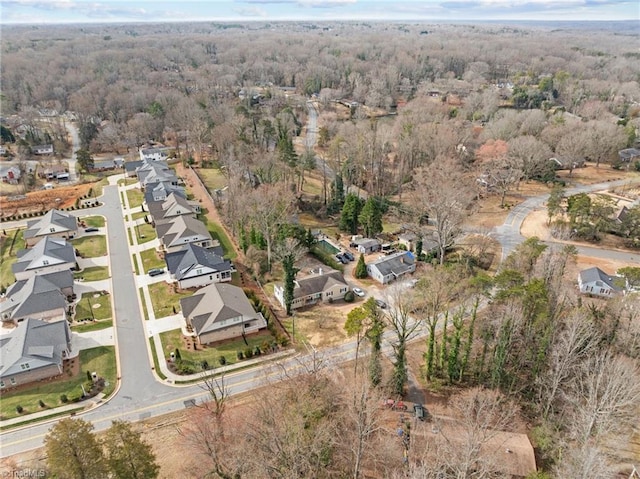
1 384
211 276
199 271
45 262
24 366
52 230
603 291
13 381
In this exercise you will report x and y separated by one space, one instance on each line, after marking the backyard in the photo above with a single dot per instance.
101 360
217 232
150 259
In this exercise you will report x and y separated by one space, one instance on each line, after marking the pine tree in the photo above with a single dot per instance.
350 213
371 217
128 456
361 268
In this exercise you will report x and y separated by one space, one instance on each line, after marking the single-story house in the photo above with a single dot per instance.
33 351
390 268
408 240
153 154
194 267
54 223
10 174
160 191
173 206
49 255
181 231
562 163
322 287
42 150
130 167
219 312
52 172
596 282
367 245
629 154
44 296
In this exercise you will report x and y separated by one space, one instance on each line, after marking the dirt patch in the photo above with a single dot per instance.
45 200
590 175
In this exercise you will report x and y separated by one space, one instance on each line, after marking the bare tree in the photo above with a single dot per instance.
443 194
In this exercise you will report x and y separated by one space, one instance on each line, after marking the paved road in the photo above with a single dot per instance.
312 138
508 234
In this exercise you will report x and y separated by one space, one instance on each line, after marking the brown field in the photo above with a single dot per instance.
44 200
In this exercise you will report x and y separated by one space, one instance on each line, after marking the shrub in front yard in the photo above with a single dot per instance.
19 409
240 355
64 399
222 360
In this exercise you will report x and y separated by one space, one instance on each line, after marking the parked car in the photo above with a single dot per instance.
340 257
90 230
358 292
349 256
381 304
155 271
419 411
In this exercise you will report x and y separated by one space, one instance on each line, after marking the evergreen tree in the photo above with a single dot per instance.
290 271
350 212
73 451
337 195
84 159
128 456
371 217
361 268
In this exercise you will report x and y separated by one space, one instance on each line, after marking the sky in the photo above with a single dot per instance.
119 11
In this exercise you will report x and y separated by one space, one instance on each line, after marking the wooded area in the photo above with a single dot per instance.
416 124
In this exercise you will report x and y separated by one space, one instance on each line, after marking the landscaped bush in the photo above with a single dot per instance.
64 399
222 360
256 351
205 365
240 355
19 409
41 403
248 353
349 296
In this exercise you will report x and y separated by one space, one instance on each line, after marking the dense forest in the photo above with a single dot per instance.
421 121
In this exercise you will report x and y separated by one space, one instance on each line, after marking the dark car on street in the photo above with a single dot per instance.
91 229
155 271
348 255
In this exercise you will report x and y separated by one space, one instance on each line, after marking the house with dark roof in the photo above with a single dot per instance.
595 282
42 149
55 223
45 296
389 268
322 287
194 267
628 155
49 255
182 231
219 312
152 172
172 206
367 245
160 191
130 167
33 351
153 154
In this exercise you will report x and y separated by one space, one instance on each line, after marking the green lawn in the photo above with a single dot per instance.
135 198
7 259
88 326
150 260
218 233
91 246
145 233
97 188
94 273
164 300
101 360
212 178
95 221
156 364
99 304
173 339
135 264
127 181
139 214
144 304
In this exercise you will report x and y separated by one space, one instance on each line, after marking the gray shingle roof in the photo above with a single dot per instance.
62 222
172 233
397 263
33 343
594 274
215 303
317 284
37 295
182 263
53 250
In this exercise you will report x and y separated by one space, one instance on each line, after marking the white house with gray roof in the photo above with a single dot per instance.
595 282
45 296
389 268
55 223
195 266
153 154
49 255
33 351
172 206
321 287
219 312
182 231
